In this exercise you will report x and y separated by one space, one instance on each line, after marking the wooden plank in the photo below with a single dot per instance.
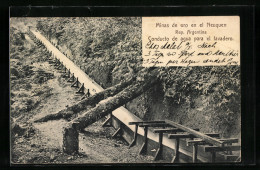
169 130
197 142
231 140
174 136
205 137
154 125
117 132
133 123
224 148
202 142
106 123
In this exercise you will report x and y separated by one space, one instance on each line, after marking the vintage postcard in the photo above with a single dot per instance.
107 90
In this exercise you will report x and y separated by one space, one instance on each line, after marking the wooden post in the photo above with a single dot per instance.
81 89
72 78
158 154
65 70
143 149
177 153
76 83
88 93
69 73
195 153
135 136
213 156
108 121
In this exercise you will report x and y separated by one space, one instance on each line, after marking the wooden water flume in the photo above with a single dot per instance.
164 139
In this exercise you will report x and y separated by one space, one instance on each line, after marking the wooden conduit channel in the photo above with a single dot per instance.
165 140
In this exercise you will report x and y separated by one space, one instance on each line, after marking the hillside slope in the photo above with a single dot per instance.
109 50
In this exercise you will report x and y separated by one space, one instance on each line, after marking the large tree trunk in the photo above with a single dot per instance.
101 110
87 103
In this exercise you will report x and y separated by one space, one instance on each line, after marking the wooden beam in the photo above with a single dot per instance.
106 123
133 123
154 125
195 133
202 142
224 148
174 136
169 130
118 131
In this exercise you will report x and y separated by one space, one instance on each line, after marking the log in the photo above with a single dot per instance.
101 110
86 103
110 104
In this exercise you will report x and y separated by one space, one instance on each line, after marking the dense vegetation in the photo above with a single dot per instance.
109 50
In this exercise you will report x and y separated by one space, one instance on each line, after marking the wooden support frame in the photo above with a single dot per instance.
117 132
108 121
224 148
205 137
81 89
57 62
194 144
214 149
154 125
60 66
133 123
174 136
72 78
76 83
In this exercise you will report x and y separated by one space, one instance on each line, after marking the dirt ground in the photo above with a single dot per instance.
41 143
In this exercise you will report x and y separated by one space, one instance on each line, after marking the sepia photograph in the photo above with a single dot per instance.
109 90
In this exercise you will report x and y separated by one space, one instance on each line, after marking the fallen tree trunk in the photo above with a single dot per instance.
86 103
70 136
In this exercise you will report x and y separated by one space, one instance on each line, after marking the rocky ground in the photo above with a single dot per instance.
34 96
